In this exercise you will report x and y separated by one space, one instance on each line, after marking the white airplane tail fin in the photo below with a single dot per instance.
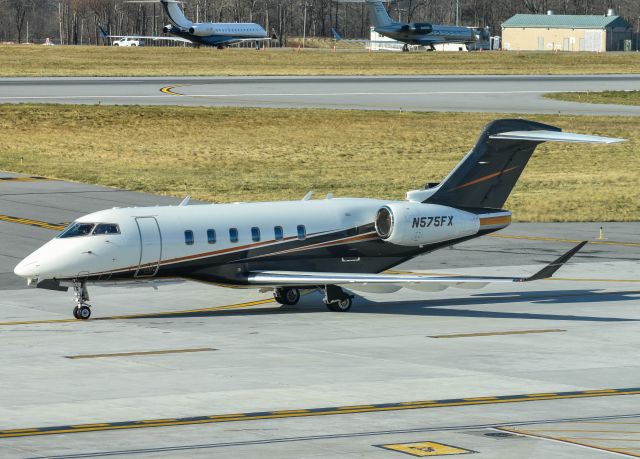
175 14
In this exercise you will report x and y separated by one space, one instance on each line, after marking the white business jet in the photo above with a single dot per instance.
328 244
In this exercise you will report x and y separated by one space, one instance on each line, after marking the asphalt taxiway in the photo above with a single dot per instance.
538 370
468 93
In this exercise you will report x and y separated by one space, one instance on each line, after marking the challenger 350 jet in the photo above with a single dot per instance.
328 244
413 33
218 34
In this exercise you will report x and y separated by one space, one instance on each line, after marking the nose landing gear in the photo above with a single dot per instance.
81 296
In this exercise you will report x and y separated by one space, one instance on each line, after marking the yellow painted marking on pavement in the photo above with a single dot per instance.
528 433
157 421
426 449
141 316
470 399
84 426
516 332
557 239
126 354
170 89
309 412
355 407
26 221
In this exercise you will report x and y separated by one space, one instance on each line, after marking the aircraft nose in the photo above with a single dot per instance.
26 268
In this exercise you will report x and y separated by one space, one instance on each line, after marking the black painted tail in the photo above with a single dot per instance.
486 176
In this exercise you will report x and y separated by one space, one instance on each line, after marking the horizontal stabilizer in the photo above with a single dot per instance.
554 136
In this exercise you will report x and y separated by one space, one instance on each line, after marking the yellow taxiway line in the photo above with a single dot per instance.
294 413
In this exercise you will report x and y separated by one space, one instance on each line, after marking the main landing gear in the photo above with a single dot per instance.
336 299
287 296
81 296
405 48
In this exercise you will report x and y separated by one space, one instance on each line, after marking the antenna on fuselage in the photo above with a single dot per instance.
185 202
308 196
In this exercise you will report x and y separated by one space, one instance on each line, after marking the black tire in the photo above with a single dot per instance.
287 296
340 306
84 313
75 312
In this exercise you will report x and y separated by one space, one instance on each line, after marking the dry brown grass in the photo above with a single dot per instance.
114 61
603 97
231 154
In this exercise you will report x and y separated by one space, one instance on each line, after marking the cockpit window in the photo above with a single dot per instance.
77 229
106 228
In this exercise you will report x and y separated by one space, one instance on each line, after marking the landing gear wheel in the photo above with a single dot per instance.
340 305
75 312
287 296
84 313
405 48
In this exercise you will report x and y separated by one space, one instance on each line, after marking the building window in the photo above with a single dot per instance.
279 234
255 234
211 236
188 237
233 234
302 232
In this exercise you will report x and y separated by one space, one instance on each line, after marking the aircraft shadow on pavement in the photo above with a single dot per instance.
440 307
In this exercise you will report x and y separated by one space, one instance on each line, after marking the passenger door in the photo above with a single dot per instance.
150 247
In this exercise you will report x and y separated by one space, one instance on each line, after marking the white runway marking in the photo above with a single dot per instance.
418 93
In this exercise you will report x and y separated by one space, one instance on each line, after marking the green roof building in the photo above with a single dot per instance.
566 32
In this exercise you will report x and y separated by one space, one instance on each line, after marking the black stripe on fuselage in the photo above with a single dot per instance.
231 268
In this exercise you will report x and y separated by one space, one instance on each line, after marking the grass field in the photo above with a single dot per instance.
603 97
233 154
34 60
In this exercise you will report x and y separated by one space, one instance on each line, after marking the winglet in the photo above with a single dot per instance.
103 33
551 268
336 35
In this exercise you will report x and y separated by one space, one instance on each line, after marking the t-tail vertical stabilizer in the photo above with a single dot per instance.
378 14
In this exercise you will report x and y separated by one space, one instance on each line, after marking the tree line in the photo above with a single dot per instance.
78 21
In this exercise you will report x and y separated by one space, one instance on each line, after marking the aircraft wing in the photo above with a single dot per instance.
301 278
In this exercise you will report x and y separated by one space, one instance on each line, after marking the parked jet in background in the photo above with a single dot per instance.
413 33
218 34
326 244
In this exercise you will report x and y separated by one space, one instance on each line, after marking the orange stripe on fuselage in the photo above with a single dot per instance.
502 220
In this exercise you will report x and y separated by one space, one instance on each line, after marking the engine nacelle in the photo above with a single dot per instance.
202 30
414 224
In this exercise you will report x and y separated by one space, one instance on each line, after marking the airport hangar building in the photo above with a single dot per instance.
567 32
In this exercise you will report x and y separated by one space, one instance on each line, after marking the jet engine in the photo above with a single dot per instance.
415 224
202 30
421 27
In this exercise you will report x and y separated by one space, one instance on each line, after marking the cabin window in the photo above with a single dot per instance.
106 228
211 236
279 234
233 234
188 237
302 232
255 234
77 229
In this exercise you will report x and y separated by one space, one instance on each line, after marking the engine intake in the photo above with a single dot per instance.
415 224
